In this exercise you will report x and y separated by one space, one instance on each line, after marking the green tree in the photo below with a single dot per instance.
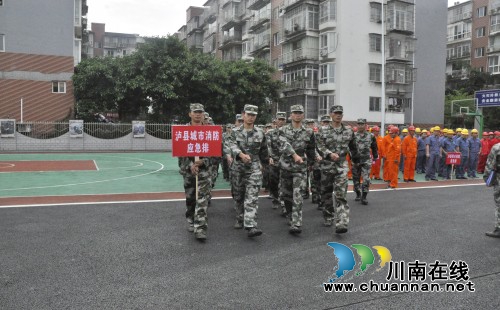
164 76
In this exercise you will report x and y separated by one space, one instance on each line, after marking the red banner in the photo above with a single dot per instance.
190 141
453 158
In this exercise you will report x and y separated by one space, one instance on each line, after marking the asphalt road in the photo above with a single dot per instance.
141 256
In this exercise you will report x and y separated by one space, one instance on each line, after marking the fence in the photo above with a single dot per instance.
57 136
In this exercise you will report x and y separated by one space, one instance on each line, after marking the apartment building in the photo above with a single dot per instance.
102 44
330 52
39 47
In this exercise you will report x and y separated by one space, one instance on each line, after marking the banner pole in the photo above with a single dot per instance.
196 158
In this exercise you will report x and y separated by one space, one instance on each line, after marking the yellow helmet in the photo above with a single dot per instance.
474 131
465 132
417 130
405 130
450 131
432 129
458 130
437 128
424 131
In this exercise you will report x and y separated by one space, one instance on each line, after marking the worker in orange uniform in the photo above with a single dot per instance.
409 150
375 173
385 174
392 153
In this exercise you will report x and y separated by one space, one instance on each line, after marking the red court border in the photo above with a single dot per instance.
46 165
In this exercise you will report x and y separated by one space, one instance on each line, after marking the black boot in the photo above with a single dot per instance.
364 201
494 234
358 195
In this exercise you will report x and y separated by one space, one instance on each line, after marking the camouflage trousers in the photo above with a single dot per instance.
274 183
334 182
315 185
293 185
496 196
225 168
362 171
196 210
246 187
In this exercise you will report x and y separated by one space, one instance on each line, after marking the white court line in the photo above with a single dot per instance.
96 166
214 198
92 182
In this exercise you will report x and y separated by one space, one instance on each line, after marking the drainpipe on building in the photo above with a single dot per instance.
413 68
382 123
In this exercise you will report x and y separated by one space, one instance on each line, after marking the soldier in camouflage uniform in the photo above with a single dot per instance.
297 142
365 142
273 146
311 187
196 209
493 164
334 143
326 121
225 152
249 149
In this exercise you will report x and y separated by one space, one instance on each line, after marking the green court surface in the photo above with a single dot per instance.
118 173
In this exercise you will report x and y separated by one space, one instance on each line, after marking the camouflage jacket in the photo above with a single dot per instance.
226 150
273 144
337 140
250 142
185 164
300 141
365 143
493 163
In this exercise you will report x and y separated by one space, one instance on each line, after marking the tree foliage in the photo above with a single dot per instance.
163 76
465 89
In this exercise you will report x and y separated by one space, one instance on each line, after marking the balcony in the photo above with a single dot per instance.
260 19
210 14
119 45
396 89
261 44
494 29
400 48
493 49
231 41
466 16
465 54
232 15
460 37
257 4
300 84
288 3
193 25
300 54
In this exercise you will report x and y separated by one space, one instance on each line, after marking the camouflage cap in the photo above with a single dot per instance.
361 121
297 108
229 125
196 107
310 121
326 118
238 117
251 109
206 115
336 108
281 115
269 125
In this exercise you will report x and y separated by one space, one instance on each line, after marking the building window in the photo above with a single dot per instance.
493 64
78 12
1 2
375 12
327 42
480 32
375 42
481 12
58 87
110 53
328 11
276 39
324 104
479 52
375 104
327 73
375 72
2 42
459 31
495 23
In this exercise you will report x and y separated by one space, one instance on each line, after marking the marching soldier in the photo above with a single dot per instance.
249 149
196 208
312 188
274 159
226 152
334 143
297 142
493 165
366 142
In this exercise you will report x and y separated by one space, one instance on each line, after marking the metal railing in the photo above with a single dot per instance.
299 54
49 130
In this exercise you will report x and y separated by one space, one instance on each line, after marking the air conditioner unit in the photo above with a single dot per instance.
323 53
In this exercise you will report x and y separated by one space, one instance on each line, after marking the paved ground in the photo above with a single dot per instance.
140 256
